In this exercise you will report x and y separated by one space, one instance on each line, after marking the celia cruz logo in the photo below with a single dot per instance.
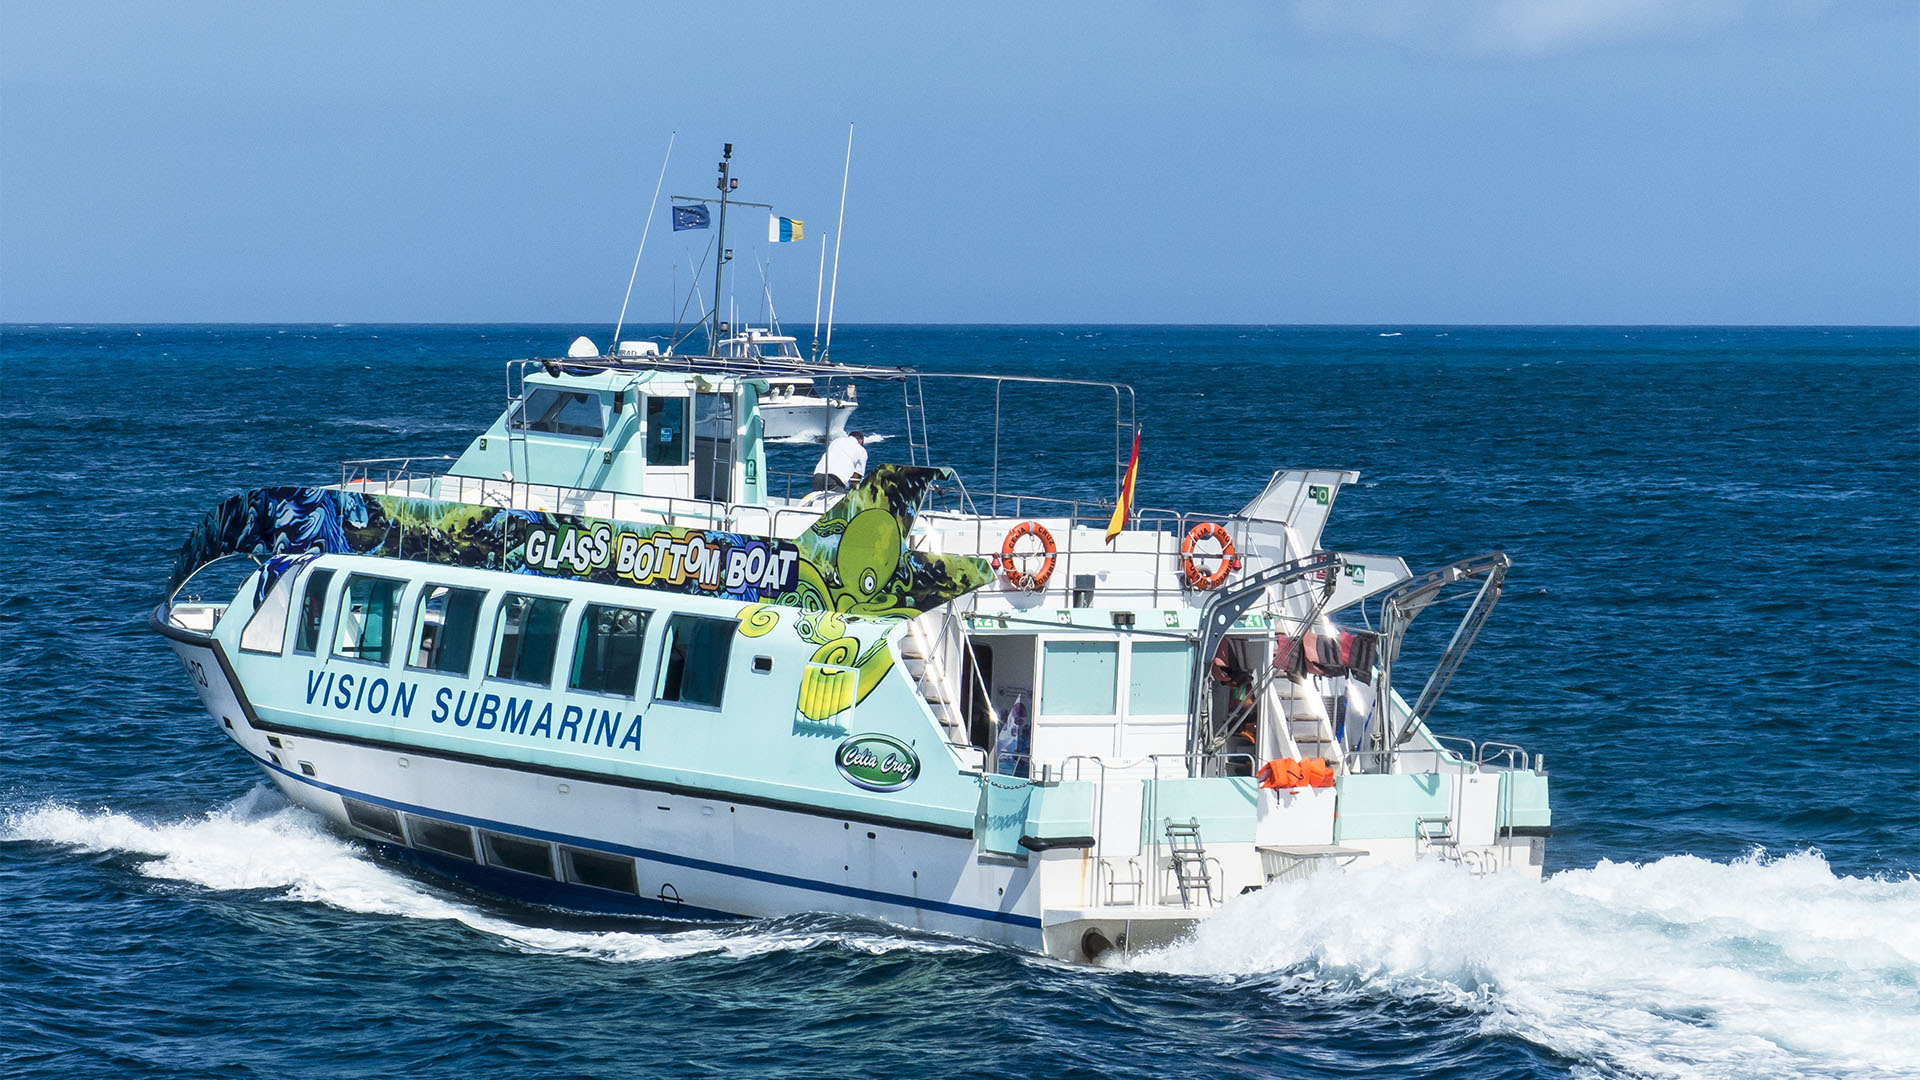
877 762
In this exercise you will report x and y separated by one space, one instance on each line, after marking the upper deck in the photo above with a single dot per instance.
663 440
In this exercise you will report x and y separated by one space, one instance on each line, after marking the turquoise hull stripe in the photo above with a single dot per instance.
786 880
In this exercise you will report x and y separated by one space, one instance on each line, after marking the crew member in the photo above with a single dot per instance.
844 463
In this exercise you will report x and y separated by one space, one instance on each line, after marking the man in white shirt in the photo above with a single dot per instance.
844 463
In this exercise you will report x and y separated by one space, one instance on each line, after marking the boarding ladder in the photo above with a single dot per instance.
1436 831
1187 858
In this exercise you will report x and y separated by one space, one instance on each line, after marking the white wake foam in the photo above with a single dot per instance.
1681 967
261 842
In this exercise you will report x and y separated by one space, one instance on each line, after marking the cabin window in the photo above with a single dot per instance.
266 631
524 638
369 607
693 660
1158 683
562 412
517 853
444 628
441 836
666 430
598 870
606 651
313 603
1078 678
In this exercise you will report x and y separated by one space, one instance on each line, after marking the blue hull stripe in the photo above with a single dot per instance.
703 865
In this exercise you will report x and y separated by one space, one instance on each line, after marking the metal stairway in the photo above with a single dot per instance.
929 679
1187 858
1309 722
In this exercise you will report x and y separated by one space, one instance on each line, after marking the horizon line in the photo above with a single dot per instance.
343 324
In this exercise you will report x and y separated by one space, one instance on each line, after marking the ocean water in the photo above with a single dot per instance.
1710 631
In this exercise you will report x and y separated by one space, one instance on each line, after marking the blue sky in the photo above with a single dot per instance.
1297 161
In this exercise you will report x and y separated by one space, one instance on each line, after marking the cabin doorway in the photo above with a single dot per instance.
975 705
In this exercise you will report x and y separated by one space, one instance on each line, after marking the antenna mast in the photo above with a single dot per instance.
838 226
622 321
727 183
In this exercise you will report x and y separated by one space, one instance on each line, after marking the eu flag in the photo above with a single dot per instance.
690 217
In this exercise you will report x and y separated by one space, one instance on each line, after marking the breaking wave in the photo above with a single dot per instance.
1682 967
1761 967
262 842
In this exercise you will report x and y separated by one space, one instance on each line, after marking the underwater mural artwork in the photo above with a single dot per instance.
855 560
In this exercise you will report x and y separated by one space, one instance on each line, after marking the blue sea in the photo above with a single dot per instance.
1709 631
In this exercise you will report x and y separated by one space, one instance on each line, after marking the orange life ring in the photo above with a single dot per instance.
1196 578
1006 563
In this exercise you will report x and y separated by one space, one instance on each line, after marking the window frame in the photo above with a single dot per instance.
566 856
419 625
320 623
1131 682
580 641
399 604
419 824
285 586
363 815
494 640
684 439
490 843
661 665
1117 685
518 421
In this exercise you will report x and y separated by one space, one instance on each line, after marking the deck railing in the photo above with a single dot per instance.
1077 525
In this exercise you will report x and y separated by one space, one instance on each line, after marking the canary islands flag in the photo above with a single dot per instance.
1125 504
782 230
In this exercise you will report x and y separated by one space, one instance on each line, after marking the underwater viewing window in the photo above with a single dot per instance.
1078 678
1158 683
606 651
517 853
666 430
312 603
266 631
369 607
444 627
441 836
561 412
693 660
375 819
600 871
524 638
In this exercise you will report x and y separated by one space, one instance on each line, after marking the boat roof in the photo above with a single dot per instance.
745 367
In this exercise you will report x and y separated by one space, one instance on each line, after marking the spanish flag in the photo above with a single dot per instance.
1125 504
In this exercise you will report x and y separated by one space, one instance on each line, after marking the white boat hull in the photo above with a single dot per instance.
804 419
696 855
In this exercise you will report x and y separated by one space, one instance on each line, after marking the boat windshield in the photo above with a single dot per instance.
755 346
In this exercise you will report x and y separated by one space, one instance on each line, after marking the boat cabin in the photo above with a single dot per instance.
627 431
